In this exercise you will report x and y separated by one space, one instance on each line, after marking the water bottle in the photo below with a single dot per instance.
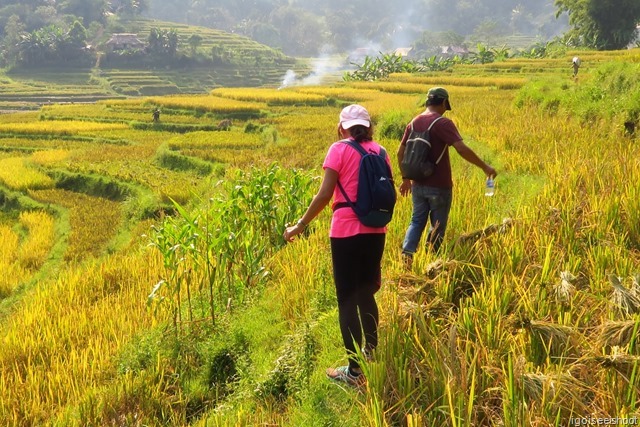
490 187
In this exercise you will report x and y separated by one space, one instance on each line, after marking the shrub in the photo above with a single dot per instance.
393 123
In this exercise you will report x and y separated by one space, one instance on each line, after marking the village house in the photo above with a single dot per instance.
453 50
124 41
403 51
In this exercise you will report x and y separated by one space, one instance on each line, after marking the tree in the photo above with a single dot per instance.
163 42
301 32
155 40
265 33
13 31
601 24
77 35
195 40
127 7
88 10
171 42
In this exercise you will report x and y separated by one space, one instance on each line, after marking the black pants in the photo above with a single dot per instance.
357 276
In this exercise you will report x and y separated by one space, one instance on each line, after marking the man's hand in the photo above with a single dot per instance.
405 187
489 171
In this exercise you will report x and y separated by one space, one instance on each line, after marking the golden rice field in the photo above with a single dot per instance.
269 96
20 257
12 272
499 83
207 103
116 114
34 250
63 127
118 307
16 174
93 221
50 157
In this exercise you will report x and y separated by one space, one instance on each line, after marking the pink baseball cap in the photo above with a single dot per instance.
353 115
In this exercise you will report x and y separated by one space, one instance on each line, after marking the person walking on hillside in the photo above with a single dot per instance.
432 196
356 249
576 65
156 115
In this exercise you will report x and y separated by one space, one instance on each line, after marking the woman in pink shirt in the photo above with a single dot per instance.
356 250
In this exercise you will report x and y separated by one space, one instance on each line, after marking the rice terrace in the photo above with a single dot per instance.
144 280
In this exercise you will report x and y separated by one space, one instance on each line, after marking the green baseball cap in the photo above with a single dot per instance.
436 95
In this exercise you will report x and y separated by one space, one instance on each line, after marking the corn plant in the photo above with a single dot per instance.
216 255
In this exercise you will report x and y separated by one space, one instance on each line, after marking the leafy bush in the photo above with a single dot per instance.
393 123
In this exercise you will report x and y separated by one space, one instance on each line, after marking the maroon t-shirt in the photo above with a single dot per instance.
442 135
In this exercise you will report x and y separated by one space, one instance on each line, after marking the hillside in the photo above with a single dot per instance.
144 279
247 63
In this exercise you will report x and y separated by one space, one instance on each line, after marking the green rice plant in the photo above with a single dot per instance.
392 124
206 141
172 127
630 210
405 375
513 405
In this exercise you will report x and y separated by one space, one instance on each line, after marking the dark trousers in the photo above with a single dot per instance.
357 276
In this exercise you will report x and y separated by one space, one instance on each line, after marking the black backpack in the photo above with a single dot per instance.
376 195
415 163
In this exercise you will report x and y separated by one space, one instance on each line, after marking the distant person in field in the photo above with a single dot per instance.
224 124
156 115
356 249
576 65
432 197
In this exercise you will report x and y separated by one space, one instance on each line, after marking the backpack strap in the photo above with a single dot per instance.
430 126
362 152
428 131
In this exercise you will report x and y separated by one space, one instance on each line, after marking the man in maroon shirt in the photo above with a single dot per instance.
432 196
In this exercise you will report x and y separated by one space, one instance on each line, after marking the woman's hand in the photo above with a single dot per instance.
293 231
